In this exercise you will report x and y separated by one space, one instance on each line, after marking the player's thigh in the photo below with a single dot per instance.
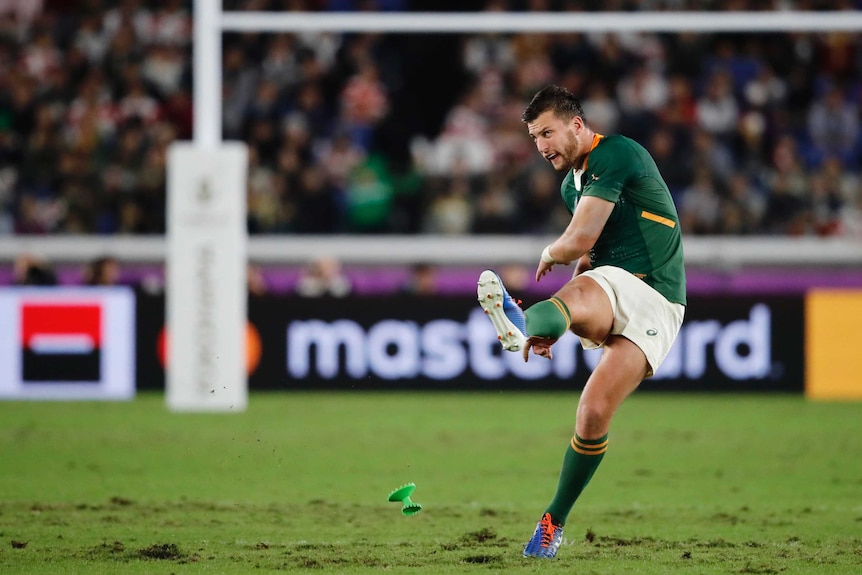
590 308
620 370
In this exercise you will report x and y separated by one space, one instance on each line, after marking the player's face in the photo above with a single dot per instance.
558 140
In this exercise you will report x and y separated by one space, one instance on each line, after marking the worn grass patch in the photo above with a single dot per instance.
692 484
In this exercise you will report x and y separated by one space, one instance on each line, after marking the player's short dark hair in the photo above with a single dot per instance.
561 101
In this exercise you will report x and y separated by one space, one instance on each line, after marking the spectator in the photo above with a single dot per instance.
601 109
256 281
642 94
516 277
310 105
37 216
41 56
489 51
833 123
364 102
369 197
318 202
705 150
339 157
177 111
239 86
534 68
164 67
786 212
128 13
845 182
170 24
699 213
450 211
680 114
717 110
422 280
136 103
666 154
850 221
742 207
786 170
264 197
266 105
102 271
23 11
495 207
323 277
31 270
826 206
766 90
611 60
280 65
92 38
124 51
464 139
42 150
539 210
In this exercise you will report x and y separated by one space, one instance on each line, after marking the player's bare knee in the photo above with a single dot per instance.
590 310
593 418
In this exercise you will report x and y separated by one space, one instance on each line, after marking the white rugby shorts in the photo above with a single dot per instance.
641 314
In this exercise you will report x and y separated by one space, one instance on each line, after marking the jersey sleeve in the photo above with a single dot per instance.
609 169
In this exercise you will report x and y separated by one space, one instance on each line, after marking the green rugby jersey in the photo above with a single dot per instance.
642 234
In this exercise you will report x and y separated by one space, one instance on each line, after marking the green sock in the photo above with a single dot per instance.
548 318
581 461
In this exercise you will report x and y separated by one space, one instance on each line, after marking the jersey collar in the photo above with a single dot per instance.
596 139
577 173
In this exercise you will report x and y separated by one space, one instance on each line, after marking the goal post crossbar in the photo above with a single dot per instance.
558 22
211 22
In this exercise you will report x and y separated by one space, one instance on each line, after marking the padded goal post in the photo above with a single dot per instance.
206 246
206 278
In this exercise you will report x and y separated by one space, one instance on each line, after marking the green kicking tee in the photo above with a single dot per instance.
642 234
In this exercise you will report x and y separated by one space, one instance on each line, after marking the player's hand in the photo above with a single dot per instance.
543 268
541 346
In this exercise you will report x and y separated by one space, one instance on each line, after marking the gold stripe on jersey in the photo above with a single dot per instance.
659 219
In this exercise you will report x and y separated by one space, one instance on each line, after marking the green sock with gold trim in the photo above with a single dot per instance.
548 318
580 462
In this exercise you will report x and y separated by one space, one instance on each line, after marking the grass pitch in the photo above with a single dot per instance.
691 484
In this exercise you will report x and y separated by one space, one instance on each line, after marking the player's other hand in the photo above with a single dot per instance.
541 346
543 268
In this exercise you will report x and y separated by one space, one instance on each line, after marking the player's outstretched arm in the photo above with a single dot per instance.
580 236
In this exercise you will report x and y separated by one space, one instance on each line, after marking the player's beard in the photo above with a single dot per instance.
571 154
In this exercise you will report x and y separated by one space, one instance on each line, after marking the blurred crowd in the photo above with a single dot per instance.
421 133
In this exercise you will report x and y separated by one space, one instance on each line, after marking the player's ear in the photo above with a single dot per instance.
577 123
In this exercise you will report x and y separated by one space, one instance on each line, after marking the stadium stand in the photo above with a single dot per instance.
420 134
